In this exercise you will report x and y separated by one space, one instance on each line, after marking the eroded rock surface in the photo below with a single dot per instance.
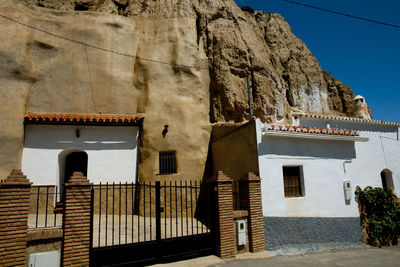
284 74
44 73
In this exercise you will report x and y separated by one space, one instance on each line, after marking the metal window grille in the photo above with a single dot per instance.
167 162
292 181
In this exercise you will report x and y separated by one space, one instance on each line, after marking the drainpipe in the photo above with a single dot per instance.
346 161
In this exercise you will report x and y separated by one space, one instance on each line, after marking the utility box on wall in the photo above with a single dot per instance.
241 232
347 190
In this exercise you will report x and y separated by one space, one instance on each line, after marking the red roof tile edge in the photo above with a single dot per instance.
339 118
310 130
97 119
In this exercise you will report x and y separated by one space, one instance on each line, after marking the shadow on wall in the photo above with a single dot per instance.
89 145
88 137
205 208
306 148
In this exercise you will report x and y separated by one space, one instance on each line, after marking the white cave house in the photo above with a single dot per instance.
309 172
103 147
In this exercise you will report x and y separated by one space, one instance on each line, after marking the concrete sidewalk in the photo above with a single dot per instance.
371 256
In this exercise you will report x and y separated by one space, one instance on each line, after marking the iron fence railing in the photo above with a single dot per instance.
127 213
42 207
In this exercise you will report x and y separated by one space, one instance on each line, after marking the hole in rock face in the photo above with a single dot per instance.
81 6
289 98
43 45
114 25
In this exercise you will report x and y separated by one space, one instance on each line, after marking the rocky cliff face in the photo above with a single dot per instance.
284 75
41 72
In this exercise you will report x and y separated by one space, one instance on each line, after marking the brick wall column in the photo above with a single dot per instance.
250 199
15 193
76 221
221 192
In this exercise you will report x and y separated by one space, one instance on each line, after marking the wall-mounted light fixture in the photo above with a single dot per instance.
77 132
165 131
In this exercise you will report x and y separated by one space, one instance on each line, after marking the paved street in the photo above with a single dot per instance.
389 256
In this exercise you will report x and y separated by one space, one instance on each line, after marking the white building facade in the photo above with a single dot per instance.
104 148
309 172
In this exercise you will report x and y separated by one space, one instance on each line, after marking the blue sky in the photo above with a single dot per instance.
363 55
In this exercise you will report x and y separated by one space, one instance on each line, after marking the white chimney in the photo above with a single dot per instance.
361 108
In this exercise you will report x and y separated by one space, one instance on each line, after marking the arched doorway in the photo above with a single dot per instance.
387 179
75 162
71 160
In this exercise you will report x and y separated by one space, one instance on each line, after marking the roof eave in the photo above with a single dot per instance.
315 136
83 120
346 119
82 123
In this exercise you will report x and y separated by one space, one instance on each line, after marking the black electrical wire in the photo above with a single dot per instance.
99 48
342 14
88 67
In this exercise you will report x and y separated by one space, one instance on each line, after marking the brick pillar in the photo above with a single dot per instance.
15 193
76 221
250 199
221 191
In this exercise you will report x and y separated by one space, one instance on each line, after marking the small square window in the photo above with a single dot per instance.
167 162
292 181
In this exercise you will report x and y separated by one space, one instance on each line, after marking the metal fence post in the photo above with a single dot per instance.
158 211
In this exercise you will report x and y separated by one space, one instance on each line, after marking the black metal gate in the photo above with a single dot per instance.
142 224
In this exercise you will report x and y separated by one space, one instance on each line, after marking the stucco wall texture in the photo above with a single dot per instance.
326 164
381 152
234 151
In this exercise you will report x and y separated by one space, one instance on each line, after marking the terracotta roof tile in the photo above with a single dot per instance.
351 119
310 130
82 119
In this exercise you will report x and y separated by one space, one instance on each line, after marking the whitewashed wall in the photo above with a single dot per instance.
325 170
112 152
382 151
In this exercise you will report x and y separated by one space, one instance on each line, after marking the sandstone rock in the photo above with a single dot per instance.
285 76
43 73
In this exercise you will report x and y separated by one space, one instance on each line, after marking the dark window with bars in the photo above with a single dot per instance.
292 181
167 162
